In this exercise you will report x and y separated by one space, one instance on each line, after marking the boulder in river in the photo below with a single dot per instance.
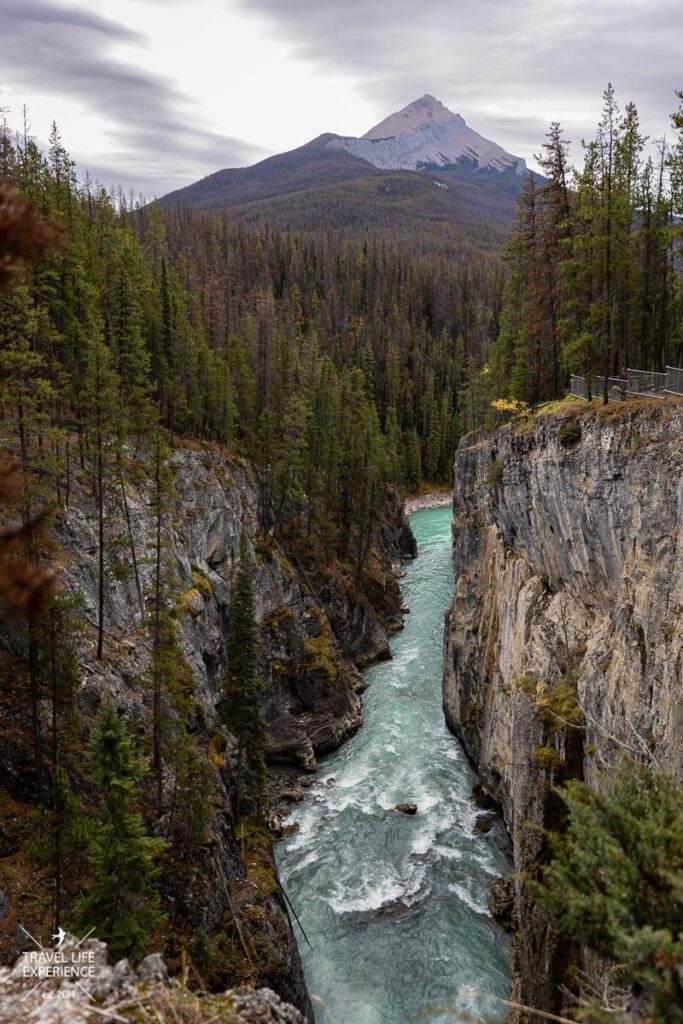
293 796
406 808
482 825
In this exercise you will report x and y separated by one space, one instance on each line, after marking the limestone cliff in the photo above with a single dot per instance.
316 625
564 643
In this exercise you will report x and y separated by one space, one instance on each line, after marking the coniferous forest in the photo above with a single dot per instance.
144 318
594 268
338 371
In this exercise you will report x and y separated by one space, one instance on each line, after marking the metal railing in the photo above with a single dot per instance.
616 388
644 382
674 380
638 384
578 387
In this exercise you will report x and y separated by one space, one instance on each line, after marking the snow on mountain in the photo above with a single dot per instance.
427 134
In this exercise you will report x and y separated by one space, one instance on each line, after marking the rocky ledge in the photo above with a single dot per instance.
84 989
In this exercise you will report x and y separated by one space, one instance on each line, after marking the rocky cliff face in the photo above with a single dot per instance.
313 627
564 643
316 626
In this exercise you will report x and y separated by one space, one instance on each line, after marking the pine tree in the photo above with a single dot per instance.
242 709
122 902
62 834
193 797
167 659
100 401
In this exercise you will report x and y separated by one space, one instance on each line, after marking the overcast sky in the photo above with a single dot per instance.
154 94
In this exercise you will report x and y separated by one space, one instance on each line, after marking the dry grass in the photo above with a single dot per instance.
567 404
177 1006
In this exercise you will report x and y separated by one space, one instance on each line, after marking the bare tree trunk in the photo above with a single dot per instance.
131 540
157 640
100 534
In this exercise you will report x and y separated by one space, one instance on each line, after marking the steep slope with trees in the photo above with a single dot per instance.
421 172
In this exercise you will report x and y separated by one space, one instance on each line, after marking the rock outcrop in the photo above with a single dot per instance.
564 643
76 985
317 626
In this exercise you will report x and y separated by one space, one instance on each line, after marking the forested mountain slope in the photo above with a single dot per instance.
448 210
433 176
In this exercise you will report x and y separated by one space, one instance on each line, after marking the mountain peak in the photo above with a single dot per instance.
426 134
428 101
425 111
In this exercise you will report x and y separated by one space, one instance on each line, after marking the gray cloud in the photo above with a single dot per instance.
528 57
65 51
38 12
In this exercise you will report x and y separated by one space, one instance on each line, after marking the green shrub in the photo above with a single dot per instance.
494 474
202 949
570 433
547 759
202 583
558 704
528 684
322 655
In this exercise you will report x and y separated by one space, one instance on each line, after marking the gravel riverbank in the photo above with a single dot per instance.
435 499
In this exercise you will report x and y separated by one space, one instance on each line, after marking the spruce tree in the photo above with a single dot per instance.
122 903
193 797
615 882
242 708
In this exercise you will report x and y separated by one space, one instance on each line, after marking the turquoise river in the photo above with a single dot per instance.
395 906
